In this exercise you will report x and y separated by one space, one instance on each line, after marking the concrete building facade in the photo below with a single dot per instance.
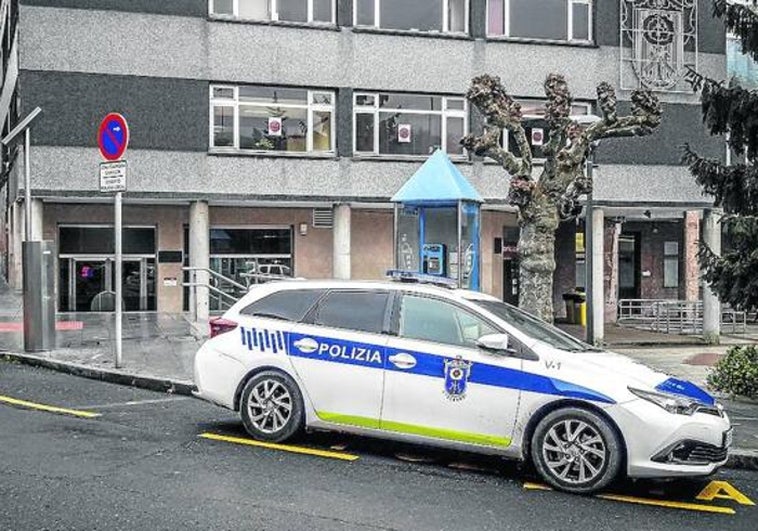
273 133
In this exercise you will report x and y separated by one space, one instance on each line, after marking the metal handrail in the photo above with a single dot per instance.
673 315
217 275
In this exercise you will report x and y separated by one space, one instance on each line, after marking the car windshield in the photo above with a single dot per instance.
533 327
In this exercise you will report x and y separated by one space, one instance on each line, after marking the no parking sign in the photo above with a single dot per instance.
113 136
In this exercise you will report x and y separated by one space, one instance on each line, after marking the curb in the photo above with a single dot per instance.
744 459
152 383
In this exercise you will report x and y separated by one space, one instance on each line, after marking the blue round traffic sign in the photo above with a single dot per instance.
113 136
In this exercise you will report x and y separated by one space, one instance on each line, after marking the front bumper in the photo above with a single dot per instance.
662 444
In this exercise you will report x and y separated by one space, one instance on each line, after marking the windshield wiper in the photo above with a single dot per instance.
268 316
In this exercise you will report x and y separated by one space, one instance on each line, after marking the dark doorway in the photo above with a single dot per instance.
630 269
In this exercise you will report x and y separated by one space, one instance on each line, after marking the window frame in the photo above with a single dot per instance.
504 139
507 33
376 109
444 27
671 257
309 106
274 9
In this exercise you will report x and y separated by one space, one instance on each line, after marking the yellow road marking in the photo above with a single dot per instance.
535 486
282 447
666 503
49 409
647 501
724 491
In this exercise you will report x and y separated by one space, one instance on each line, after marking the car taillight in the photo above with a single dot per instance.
219 326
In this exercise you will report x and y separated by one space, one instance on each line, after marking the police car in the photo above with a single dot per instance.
454 368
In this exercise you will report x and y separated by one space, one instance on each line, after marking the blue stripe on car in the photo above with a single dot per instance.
373 356
685 388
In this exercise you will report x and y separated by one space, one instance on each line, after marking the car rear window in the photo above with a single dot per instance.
290 305
354 310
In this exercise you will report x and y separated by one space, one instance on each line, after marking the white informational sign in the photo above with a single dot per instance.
404 133
170 282
113 176
275 127
538 137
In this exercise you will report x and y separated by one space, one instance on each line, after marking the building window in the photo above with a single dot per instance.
535 125
253 118
316 11
405 124
671 264
422 15
555 20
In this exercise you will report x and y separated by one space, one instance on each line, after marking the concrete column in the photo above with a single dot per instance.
691 229
611 269
341 243
199 234
711 304
597 275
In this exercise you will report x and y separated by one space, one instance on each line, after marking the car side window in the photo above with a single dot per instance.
354 310
289 305
430 319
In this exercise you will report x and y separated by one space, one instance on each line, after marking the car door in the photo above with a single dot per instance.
338 354
438 384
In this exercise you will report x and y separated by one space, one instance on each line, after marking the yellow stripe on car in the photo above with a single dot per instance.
414 429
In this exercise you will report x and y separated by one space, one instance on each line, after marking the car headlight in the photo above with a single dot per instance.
680 405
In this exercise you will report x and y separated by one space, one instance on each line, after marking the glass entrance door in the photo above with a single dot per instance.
86 284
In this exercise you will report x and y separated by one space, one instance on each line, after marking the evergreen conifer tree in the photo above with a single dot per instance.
731 109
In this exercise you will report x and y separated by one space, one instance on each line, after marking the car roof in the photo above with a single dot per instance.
416 287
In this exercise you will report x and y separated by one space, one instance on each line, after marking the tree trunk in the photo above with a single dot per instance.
536 247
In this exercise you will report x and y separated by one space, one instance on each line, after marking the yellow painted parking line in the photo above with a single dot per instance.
648 501
535 486
282 447
665 503
49 409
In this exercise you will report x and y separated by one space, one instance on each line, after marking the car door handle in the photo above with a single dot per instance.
403 360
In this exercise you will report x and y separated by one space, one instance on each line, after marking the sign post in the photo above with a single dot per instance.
112 138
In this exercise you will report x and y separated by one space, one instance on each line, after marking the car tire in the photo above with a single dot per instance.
576 450
271 407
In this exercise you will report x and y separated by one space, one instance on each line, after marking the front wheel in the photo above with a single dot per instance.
576 450
271 407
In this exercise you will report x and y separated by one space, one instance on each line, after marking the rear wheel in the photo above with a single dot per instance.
271 407
576 450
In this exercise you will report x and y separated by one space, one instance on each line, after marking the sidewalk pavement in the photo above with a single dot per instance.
158 351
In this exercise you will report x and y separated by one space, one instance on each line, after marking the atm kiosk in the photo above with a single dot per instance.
437 223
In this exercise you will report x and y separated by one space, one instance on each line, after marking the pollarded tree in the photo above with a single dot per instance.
544 200
734 110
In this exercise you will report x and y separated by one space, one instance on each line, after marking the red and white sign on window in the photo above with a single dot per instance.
275 126
404 133
538 137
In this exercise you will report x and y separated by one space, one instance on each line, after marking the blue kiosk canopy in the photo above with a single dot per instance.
437 214
438 182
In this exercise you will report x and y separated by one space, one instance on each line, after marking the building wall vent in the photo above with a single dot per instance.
323 218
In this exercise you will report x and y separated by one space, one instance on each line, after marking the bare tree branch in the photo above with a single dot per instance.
501 112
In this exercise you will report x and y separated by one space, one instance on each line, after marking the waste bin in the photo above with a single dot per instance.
568 298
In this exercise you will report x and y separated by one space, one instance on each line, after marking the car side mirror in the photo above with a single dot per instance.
495 343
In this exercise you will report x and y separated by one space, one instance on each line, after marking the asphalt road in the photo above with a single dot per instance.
141 464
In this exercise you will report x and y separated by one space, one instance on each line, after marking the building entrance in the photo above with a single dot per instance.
86 269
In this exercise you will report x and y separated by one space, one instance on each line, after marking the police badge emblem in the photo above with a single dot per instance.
457 372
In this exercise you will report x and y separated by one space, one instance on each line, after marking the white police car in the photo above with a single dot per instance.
453 368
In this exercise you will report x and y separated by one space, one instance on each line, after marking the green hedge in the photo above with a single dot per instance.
737 372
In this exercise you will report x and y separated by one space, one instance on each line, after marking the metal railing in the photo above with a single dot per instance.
224 290
672 316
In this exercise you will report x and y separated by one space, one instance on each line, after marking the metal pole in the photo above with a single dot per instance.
588 245
27 186
118 279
